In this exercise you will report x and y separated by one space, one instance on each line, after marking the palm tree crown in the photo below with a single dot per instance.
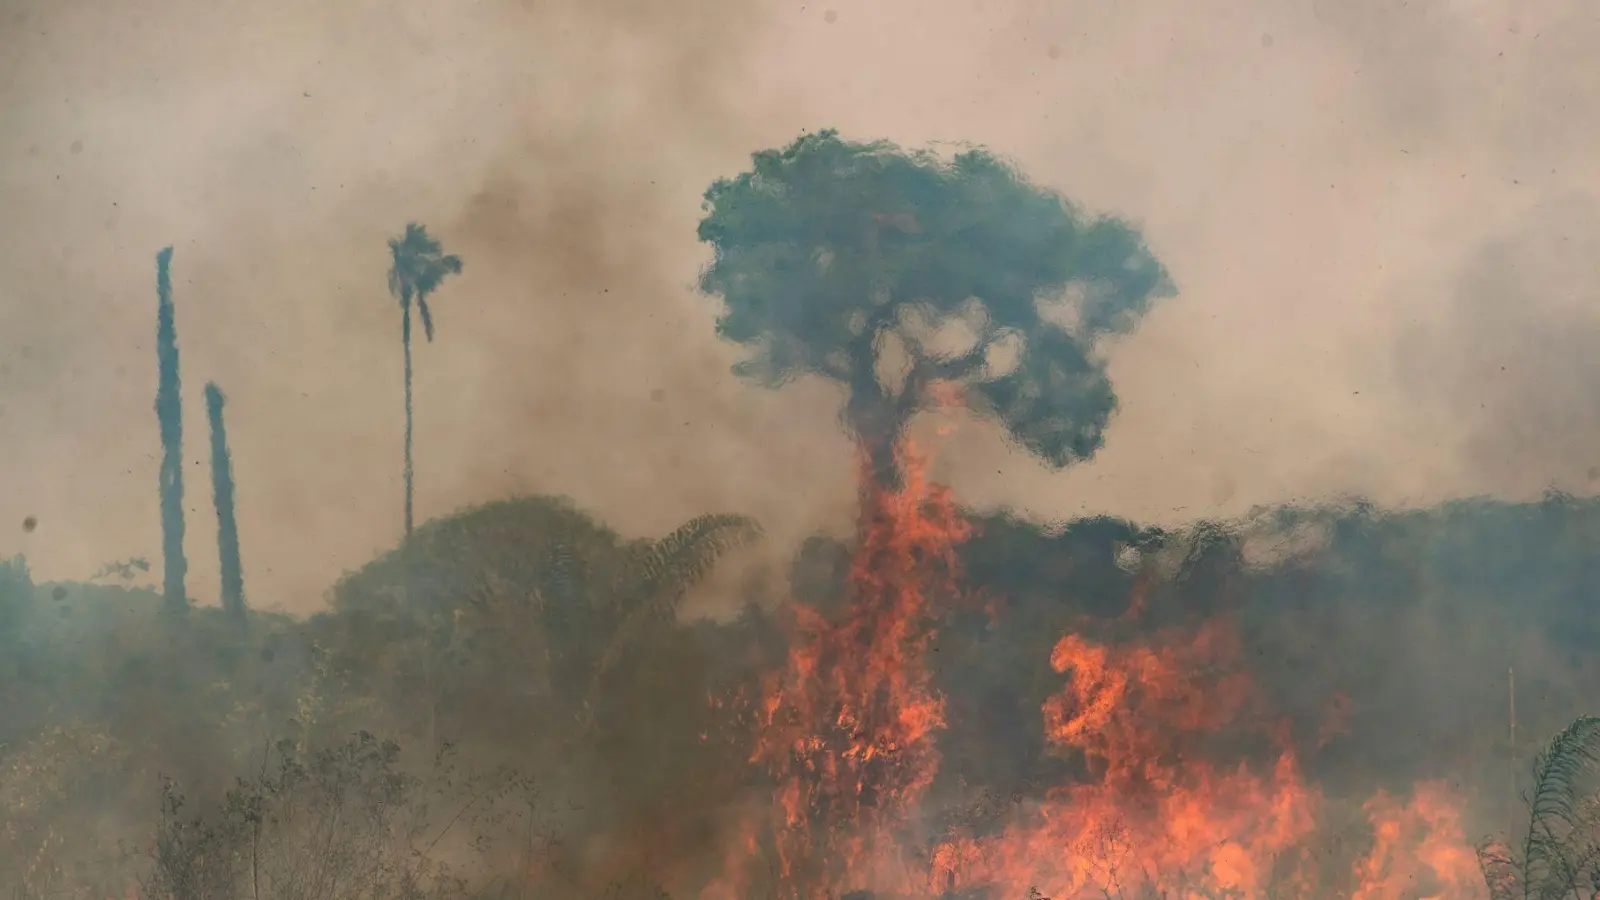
420 265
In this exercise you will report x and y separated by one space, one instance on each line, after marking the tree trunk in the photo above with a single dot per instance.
883 455
405 339
222 496
875 418
169 414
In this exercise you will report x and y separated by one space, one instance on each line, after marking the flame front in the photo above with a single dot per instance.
1155 813
1190 787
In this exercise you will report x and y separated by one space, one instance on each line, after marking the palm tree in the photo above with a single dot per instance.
419 266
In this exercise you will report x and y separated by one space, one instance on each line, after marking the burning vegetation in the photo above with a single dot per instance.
949 705
1189 785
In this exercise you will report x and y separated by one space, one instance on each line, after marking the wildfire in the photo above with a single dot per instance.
1419 849
848 727
1156 813
1190 786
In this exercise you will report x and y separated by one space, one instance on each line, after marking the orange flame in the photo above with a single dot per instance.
1157 815
1419 849
1165 806
1158 818
848 727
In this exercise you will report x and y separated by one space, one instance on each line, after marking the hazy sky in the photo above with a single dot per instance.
1380 216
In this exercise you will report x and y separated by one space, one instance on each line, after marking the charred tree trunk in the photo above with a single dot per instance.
223 497
875 416
169 413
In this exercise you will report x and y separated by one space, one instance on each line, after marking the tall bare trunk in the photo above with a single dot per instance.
169 413
222 494
405 338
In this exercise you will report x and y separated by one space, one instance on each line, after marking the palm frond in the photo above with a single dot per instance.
1561 845
663 571
427 316
417 241
667 568
419 265
399 287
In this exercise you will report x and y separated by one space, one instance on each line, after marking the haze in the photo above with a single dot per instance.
1379 217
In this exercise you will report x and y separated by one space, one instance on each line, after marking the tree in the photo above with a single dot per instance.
419 266
169 413
222 495
892 271
524 605
531 629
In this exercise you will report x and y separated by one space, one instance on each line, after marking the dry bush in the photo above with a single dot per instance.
343 823
57 796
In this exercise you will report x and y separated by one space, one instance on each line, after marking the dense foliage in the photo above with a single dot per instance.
833 256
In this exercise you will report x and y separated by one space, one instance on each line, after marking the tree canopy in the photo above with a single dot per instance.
846 259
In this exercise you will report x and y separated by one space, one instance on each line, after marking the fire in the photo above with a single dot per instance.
1190 785
1161 815
1419 849
848 727
1155 813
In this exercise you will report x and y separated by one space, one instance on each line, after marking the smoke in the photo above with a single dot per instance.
1379 215
1513 368
1298 166
560 148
